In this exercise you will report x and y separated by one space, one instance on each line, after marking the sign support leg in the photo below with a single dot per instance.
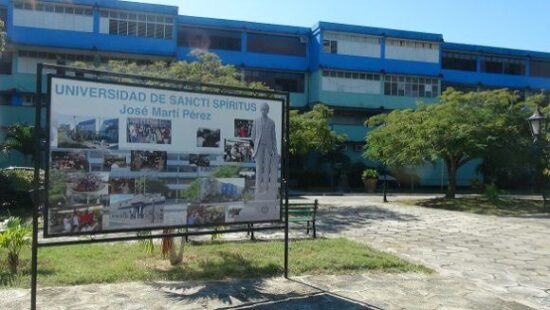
36 193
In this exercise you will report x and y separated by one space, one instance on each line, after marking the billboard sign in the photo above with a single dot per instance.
126 157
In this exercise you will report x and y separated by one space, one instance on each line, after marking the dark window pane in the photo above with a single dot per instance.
150 30
5 62
123 28
457 61
132 29
113 26
334 47
142 30
168 32
514 68
285 81
209 38
159 31
540 68
503 65
274 44
3 15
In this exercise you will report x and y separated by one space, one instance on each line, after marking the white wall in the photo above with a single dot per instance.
411 51
104 25
350 85
52 20
355 45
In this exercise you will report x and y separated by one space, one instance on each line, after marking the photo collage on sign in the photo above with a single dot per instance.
131 171
95 185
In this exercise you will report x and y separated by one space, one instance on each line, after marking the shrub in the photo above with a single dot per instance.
13 239
492 192
370 174
14 187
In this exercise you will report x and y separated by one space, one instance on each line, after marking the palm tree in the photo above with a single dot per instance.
20 138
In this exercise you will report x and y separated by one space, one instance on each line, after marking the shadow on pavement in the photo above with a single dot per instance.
230 293
337 219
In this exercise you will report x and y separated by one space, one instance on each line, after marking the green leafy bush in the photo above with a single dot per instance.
15 185
13 239
18 179
370 174
492 192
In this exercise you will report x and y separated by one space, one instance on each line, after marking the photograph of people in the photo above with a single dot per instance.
243 128
207 137
146 130
237 151
148 160
265 155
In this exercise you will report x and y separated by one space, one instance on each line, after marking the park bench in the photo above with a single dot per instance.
298 212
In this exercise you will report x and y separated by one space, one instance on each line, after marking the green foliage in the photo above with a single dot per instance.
492 192
193 192
18 179
147 245
369 174
461 127
14 239
310 131
19 138
229 171
2 36
206 68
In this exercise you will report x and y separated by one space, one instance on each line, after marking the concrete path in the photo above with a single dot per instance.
370 291
505 256
481 262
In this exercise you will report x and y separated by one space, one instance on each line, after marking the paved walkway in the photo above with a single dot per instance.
481 262
508 257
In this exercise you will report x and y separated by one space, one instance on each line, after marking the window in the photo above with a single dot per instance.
540 68
459 61
352 75
209 38
5 62
358 147
47 7
285 81
502 65
410 86
3 16
276 44
330 46
465 88
352 117
138 25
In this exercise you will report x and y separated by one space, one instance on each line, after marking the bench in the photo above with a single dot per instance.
298 212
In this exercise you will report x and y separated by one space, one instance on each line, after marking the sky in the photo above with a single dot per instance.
502 23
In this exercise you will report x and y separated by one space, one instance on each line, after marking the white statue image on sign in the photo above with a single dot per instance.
265 155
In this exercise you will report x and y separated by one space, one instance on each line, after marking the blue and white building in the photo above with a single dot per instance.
358 71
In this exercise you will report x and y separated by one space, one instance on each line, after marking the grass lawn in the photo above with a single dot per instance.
120 262
482 205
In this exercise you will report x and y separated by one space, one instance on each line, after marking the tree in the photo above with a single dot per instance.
20 138
461 127
310 131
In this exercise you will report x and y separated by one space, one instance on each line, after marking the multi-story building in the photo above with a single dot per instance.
356 70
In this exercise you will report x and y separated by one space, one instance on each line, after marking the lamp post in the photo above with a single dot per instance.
538 124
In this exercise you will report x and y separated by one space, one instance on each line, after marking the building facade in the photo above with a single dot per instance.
358 71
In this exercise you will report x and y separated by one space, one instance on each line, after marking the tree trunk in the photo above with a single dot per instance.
13 262
452 167
176 257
